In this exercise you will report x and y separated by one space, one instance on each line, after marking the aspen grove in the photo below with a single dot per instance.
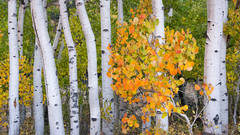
116 67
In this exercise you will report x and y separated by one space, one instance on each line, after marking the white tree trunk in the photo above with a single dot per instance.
74 110
52 87
223 87
37 93
146 125
58 34
120 11
107 92
92 69
14 118
21 14
158 12
212 116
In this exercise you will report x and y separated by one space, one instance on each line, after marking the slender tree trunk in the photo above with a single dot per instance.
146 125
38 105
21 14
212 116
107 92
92 69
236 104
37 93
58 34
158 12
120 106
74 110
120 11
60 51
223 87
14 118
52 87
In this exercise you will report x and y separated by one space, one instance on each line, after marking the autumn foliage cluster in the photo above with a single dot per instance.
25 86
147 73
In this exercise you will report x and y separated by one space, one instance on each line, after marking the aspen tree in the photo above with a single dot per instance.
37 93
74 110
51 80
120 11
224 92
58 34
14 118
107 92
21 14
212 115
92 68
158 12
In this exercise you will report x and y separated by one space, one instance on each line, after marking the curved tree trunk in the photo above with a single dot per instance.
74 110
92 69
107 92
52 87
158 12
224 92
37 93
212 116
14 118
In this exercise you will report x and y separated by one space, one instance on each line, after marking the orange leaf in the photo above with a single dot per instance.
197 87
201 92
136 125
108 74
131 29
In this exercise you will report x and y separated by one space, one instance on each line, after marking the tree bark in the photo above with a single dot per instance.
14 118
37 93
120 11
21 14
74 110
60 51
158 12
107 92
223 87
236 104
52 87
120 106
58 34
92 69
212 115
